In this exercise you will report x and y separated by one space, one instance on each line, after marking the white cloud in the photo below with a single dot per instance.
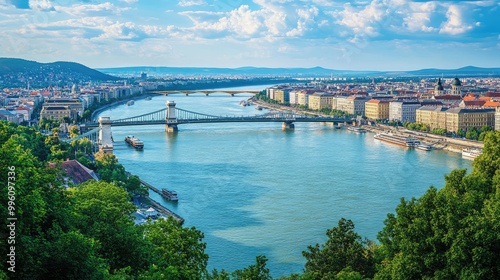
419 16
41 5
455 24
306 17
130 1
361 21
87 9
189 3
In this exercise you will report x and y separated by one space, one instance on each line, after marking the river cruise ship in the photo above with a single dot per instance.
398 140
134 142
471 153
169 195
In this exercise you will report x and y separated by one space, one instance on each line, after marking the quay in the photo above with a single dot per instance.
157 206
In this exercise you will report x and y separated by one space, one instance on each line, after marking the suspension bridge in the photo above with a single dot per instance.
171 117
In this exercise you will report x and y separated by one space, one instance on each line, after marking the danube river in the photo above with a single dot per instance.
254 189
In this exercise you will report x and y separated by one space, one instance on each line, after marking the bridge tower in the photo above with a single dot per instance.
105 137
287 125
171 119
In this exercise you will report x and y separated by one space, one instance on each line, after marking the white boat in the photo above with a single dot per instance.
134 142
148 98
169 195
131 102
398 140
356 129
258 107
471 153
424 147
244 103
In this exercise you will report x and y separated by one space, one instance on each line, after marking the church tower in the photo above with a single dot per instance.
456 87
438 89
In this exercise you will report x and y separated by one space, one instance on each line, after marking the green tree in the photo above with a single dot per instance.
344 248
102 211
178 253
257 271
74 131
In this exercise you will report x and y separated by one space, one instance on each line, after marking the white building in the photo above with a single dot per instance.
403 111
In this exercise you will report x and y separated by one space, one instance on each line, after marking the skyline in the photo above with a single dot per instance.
362 35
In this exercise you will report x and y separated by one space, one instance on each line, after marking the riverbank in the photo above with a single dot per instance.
454 145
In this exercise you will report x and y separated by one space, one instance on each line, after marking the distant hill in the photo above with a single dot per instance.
294 72
55 71
261 71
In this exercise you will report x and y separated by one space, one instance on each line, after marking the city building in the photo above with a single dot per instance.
320 100
403 111
463 118
433 116
377 109
74 106
55 112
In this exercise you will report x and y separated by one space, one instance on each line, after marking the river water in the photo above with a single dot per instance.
254 189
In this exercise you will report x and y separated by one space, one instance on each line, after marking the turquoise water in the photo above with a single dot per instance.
254 189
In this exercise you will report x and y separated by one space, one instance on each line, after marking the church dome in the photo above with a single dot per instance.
456 82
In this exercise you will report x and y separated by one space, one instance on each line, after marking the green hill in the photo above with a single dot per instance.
56 71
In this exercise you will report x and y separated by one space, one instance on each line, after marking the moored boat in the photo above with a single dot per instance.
356 129
169 195
130 103
471 153
134 142
398 140
424 147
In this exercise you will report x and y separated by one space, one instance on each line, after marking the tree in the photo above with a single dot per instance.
74 131
102 211
257 271
178 253
344 248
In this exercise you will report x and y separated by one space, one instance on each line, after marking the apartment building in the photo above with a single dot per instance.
403 111
320 100
433 116
462 118
376 109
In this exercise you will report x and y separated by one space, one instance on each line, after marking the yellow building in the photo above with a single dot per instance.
55 112
433 116
460 118
377 109
320 100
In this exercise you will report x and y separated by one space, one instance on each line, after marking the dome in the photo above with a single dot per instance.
456 82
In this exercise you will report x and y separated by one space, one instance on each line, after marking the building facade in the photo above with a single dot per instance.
403 111
377 109
462 118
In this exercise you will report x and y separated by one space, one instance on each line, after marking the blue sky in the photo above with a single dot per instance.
355 35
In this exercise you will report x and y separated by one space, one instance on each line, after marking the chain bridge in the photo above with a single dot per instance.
171 117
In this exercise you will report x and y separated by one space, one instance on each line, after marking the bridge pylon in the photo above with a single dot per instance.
288 125
171 118
105 137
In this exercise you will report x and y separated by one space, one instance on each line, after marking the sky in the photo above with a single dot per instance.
346 35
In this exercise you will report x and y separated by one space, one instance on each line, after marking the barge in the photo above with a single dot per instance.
398 140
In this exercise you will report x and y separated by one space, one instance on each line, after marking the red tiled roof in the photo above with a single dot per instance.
77 172
492 104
